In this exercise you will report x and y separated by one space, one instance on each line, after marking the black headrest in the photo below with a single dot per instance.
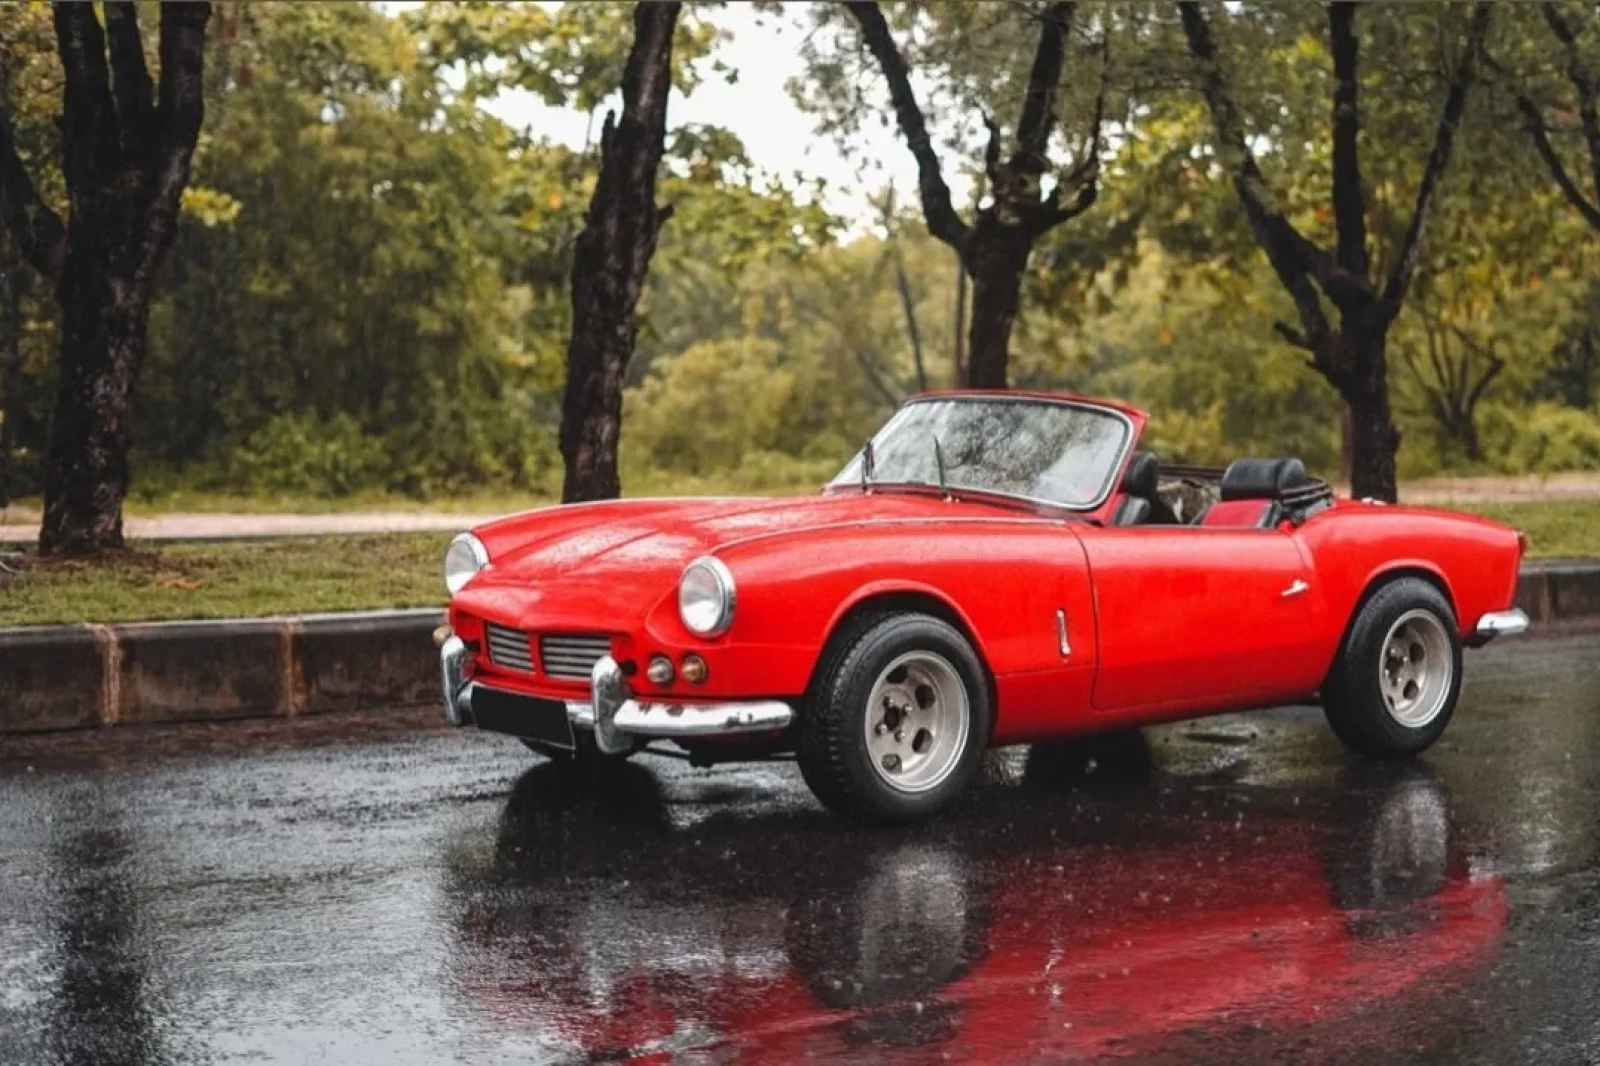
1143 476
1262 479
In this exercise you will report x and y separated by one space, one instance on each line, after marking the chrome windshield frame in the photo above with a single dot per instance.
1130 438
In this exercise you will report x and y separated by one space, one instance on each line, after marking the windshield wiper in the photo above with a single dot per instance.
938 460
868 463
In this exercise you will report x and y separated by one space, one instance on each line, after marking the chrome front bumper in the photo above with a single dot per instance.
616 719
1502 624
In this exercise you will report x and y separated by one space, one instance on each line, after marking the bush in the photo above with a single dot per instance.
298 454
1545 438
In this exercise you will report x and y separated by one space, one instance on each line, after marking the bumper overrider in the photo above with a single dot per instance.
615 718
1499 624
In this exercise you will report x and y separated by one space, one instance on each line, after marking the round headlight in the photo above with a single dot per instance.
705 597
465 558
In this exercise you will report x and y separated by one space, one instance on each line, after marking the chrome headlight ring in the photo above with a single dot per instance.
464 559
706 597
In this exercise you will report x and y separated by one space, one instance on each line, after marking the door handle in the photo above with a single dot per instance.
1295 588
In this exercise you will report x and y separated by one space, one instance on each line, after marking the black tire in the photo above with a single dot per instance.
833 756
1353 696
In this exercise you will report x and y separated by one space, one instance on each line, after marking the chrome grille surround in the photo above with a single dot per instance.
572 655
510 648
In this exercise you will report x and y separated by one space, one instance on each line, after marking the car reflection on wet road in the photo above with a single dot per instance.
1228 890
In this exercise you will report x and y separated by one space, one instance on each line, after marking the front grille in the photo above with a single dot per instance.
572 655
509 647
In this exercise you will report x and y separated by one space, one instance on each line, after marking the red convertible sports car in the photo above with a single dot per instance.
992 568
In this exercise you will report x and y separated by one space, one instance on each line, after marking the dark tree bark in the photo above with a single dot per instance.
611 257
126 152
1351 356
995 247
1587 97
11 282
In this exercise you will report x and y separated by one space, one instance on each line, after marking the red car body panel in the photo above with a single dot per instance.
1162 622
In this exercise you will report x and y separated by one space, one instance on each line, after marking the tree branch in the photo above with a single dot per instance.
943 222
1438 157
130 80
1038 106
1293 336
991 154
179 110
1490 372
1534 120
1582 85
38 231
89 141
1085 174
1349 205
1292 256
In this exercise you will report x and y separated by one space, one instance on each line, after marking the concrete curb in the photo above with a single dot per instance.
84 677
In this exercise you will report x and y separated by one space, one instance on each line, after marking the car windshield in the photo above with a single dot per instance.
1045 450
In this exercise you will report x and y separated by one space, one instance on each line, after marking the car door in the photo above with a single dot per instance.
1199 617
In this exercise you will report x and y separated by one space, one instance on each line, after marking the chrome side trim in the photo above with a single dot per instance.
1502 623
1061 632
457 694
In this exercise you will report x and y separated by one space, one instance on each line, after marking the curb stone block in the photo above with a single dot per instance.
1575 592
200 671
358 662
50 678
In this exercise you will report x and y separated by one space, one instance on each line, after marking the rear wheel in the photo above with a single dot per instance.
897 722
1395 685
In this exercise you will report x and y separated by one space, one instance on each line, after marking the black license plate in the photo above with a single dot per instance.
522 716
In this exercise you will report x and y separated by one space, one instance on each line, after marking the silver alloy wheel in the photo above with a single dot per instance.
917 721
1416 668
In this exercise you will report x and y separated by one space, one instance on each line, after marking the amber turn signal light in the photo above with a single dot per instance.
694 669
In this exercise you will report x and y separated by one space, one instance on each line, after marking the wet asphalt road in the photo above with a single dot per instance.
378 890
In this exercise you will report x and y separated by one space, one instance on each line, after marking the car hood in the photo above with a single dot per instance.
625 555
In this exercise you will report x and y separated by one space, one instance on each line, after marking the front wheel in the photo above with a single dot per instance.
1395 685
897 721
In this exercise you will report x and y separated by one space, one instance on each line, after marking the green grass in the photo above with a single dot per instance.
236 579
1556 529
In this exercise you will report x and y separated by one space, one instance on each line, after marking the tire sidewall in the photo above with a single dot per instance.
842 697
1360 714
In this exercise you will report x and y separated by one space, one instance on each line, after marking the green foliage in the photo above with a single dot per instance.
1545 437
368 296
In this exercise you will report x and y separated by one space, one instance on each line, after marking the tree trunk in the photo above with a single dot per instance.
611 257
1374 440
996 260
126 148
958 372
11 280
104 330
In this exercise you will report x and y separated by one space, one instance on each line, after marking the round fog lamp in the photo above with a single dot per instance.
659 671
694 669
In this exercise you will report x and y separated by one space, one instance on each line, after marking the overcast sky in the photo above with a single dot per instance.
764 49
